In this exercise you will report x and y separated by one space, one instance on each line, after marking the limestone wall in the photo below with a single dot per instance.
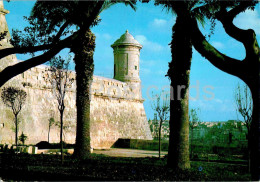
114 118
116 112
116 107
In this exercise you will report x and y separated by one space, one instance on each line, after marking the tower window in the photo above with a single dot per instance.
135 67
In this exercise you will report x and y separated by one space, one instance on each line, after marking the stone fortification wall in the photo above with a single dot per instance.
116 106
116 111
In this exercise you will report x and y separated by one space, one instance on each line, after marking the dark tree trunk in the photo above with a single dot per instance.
61 133
84 50
49 134
179 73
16 131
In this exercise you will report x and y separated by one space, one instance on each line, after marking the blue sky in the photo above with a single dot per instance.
151 26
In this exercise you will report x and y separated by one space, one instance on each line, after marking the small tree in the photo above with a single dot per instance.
59 76
162 107
194 122
15 99
244 107
51 122
22 138
154 127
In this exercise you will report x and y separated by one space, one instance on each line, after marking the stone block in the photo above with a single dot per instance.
34 150
30 149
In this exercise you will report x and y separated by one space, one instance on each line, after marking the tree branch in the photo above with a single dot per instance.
11 71
227 17
21 50
238 9
221 61
63 27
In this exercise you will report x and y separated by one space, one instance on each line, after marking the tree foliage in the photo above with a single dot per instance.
194 117
60 78
14 98
49 32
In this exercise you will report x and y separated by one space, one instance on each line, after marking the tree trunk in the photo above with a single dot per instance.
84 50
61 133
49 134
160 130
179 73
16 131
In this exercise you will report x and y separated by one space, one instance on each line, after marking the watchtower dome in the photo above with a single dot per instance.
126 58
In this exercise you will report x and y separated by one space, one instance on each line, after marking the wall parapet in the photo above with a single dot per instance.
101 86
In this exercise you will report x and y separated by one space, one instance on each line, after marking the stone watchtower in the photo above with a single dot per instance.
4 43
127 61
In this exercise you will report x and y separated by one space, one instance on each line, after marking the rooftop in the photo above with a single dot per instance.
126 39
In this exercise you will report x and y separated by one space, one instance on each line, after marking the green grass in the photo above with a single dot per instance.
100 167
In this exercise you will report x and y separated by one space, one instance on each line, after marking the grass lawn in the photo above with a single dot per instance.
100 167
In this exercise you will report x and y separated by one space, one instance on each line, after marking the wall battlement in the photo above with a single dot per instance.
101 86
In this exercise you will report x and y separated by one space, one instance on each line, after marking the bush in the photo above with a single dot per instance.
47 145
43 145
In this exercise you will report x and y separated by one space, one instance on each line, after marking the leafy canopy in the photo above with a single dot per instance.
13 98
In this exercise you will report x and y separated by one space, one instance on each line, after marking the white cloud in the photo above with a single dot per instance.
159 22
153 46
162 25
141 39
218 45
248 20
